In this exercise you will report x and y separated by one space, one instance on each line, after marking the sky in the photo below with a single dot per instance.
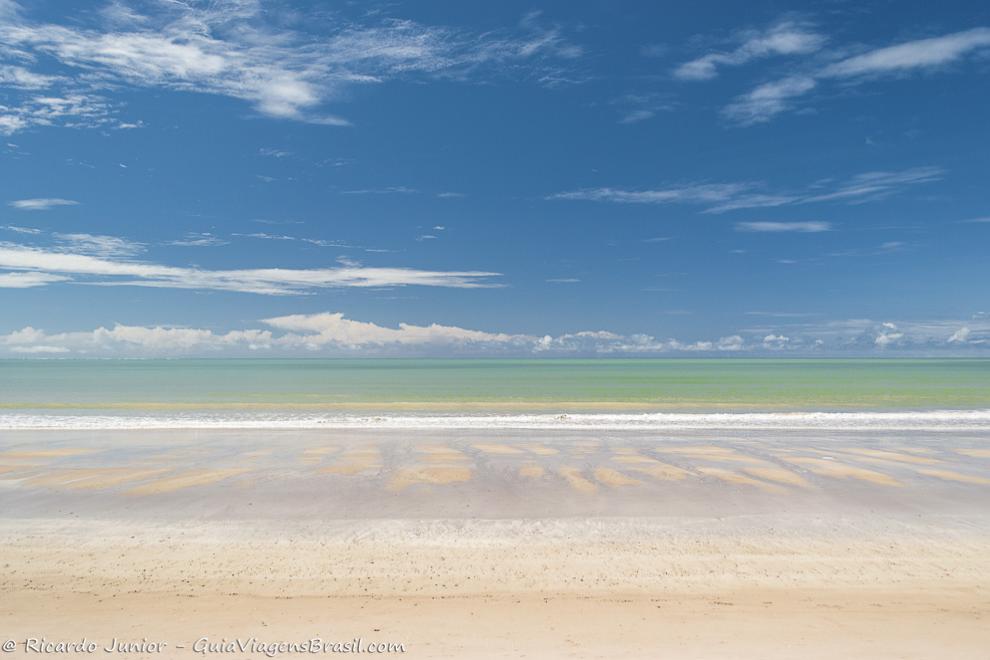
245 177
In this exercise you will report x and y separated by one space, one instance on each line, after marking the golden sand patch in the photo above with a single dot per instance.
837 470
184 480
4 469
975 453
541 450
916 450
634 458
890 456
433 449
950 475
258 453
652 467
46 453
442 454
531 471
429 474
780 475
497 449
317 454
710 452
92 478
732 477
584 447
356 461
611 477
576 480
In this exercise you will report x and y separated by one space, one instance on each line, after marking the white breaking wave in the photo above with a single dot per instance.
958 420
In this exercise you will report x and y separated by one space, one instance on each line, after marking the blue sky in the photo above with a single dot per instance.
280 178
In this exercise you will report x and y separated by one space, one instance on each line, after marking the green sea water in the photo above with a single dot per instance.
660 384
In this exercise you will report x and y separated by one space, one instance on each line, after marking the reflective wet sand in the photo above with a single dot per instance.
691 544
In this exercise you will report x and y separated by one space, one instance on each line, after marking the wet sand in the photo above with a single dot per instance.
503 544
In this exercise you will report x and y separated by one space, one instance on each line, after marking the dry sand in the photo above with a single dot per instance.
493 545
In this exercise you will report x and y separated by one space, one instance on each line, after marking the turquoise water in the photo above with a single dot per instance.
664 384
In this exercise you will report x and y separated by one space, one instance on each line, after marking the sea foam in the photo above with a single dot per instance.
960 420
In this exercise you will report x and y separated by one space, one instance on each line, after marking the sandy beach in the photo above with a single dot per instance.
500 543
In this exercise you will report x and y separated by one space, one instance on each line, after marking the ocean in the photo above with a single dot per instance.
436 392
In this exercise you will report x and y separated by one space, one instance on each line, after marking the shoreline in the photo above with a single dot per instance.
419 419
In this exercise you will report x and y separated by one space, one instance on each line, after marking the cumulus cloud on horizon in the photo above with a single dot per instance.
332 333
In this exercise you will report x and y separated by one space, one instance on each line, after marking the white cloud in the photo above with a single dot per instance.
20 78
97 245
274 153
792 227
334 334
731 343
319 330
268 281
636 116
786 38
887 247
234 49
39 350
960 336
28 280
919 54
130 340
884 339
198 239
31 231
870 186
768 100
772 98
866 336
71 109
775 342
638 107
722 197
695 193
41 203
390 190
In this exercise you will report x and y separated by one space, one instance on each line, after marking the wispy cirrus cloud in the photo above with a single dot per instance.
784 227
388 190
770 99
784 38
98 245
232 48
30 231
691 194
87 269
723 197
41 203
29 279
911 55
198 239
